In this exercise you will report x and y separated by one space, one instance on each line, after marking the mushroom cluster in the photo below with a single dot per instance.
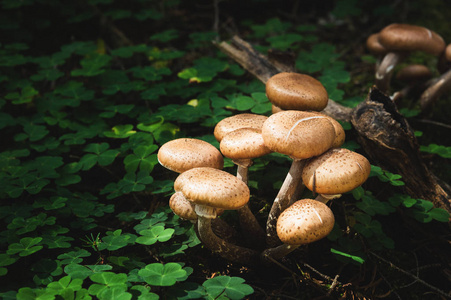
298 129
393 44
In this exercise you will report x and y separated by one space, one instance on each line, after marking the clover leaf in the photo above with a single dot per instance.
107 280
230 287
141 158
134 182
25 247
75 270
155 234
163 274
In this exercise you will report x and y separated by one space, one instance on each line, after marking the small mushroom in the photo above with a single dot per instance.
400 39
210 189
183 154
294 91
335 172
300 135
304 222
185 210
415 77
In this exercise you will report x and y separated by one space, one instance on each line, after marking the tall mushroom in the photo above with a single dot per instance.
335 172
242 146
210 189
304 222
299 135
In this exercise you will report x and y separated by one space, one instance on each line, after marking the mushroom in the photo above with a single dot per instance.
415 77
232 123
210 189
335 172
185 210
300 135
243 145
183 154
306 221
294 91
400 39
439 85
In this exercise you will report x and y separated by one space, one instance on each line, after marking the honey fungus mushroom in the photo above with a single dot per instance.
399 40
300 135
210 189
335 172
295 91
305 221
183 154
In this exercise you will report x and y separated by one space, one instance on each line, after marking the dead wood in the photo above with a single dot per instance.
384 134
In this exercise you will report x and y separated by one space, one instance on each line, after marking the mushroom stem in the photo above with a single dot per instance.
385 70
435 90
278 252
253 232
283 199
326 198
224 249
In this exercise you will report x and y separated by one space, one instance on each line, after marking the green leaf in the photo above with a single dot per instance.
73 257
134 182
107 280
155 234
65 285
439 214
75 270
142 159
163 274
92 65
25 247
230 287
26 95
165 36
120 131
353 257
440 150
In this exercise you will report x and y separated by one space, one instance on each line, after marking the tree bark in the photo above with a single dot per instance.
384 134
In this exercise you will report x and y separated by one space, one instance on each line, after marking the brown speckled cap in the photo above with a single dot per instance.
340 134
406 37
305 221
298 134
336 171
182 207
212 187
235 122
183 154
296 91
243 143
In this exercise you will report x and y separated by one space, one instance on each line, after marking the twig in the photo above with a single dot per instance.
419 280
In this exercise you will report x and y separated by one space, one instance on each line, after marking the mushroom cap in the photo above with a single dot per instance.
305 221
183 154
448 52
182 207
413 73
296 91
406 37
243 143
337 171
373 45
298 134
212 187
340 134
235 122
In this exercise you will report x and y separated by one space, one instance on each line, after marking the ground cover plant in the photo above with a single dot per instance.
92 89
